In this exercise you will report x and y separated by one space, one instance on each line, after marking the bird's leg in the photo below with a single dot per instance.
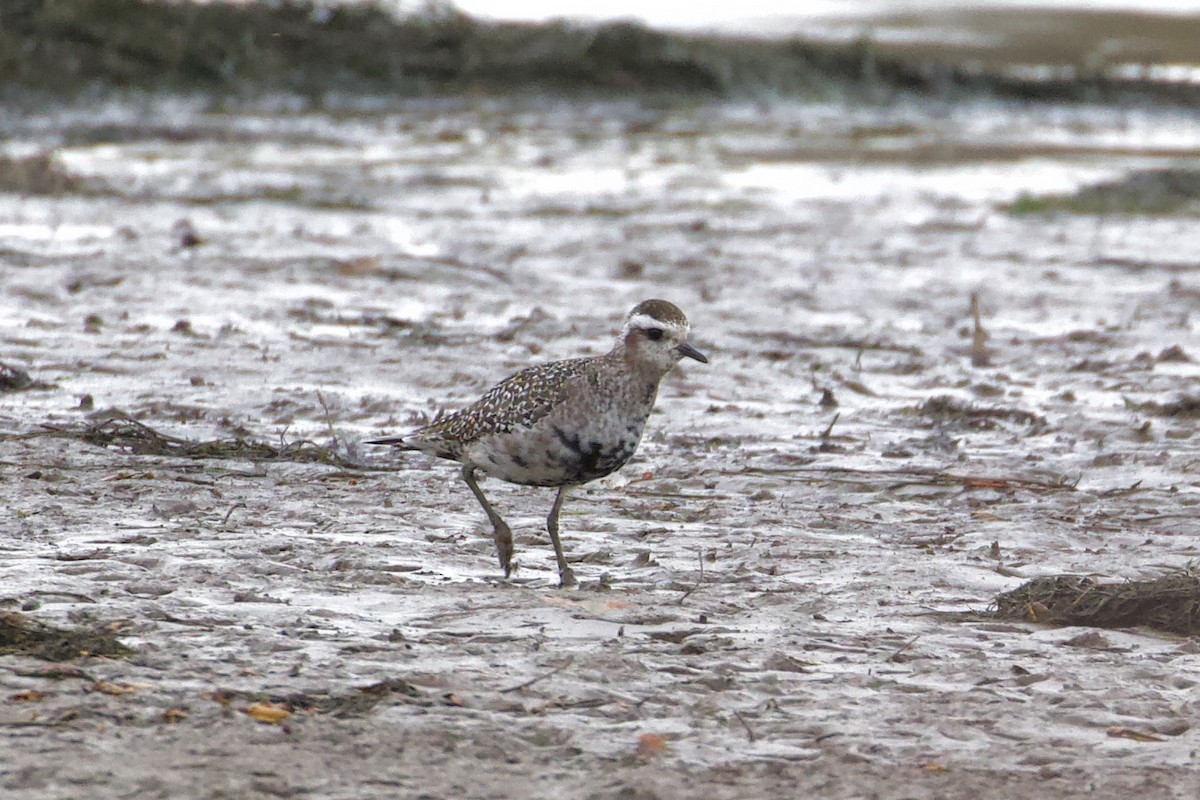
565 576
503 534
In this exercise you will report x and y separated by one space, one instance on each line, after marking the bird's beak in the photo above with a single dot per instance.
686 349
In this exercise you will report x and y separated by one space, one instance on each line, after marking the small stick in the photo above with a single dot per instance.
979 354
81 598
903 647
229 513
570 660
624 698
829 430
700 580
749 731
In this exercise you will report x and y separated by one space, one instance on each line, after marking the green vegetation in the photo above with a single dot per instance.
1031 204
1155 192
298 46
65 47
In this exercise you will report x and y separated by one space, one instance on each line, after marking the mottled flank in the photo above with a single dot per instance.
563 423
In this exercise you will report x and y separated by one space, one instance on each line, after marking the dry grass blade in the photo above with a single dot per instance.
979 337
699 579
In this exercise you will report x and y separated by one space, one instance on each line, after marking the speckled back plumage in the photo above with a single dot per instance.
519 400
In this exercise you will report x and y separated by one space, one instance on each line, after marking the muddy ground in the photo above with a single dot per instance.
780 596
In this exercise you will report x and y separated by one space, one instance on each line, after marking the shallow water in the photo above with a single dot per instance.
357 272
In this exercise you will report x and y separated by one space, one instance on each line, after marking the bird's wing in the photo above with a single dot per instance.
517 401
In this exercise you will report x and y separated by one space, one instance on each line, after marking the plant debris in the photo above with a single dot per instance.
276 707
23 635
18 380
949 412
1186 406
140 439
1169 603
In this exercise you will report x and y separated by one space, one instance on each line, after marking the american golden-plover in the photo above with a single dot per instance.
564 423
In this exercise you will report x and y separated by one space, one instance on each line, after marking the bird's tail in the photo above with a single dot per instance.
397 441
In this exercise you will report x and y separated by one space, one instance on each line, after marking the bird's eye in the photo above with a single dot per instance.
654 334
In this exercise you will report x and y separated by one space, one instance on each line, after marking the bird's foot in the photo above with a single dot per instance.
504 549
566 578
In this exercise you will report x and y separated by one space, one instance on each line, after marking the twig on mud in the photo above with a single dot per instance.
626 698
196 481
903 647
749 731
78 598
1121 490
570 660
229 513
700 580
241 473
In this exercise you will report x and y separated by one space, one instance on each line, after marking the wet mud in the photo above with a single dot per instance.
788 592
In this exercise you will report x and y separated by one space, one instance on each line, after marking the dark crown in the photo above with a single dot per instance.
661 310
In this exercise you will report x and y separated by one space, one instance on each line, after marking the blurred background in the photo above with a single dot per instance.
398 46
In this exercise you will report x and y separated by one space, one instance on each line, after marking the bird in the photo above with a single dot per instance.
561 424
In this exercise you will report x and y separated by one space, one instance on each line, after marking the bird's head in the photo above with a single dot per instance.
654 337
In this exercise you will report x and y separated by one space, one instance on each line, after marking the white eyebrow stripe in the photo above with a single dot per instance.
645 321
